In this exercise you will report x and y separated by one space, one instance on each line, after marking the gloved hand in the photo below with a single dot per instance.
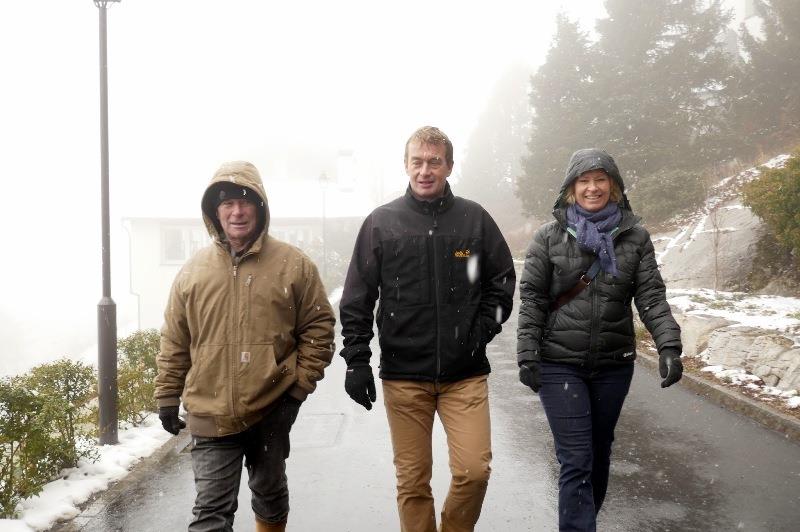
170 420
360 384
530 375
670 366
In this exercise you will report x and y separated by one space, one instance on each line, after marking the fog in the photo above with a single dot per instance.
194 83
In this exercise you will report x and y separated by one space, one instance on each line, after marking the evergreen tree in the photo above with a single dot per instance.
561 102
662 84
492 160
767 112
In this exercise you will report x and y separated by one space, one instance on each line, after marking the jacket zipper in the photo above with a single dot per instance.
236 347
436 298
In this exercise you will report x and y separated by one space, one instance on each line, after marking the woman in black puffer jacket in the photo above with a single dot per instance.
576 347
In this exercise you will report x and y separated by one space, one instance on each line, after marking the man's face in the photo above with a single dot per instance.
427 170
592 190
238 219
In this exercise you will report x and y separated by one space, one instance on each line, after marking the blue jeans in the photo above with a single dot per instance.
217 464
583 408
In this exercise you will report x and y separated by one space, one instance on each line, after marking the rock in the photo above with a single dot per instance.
695 330
767 354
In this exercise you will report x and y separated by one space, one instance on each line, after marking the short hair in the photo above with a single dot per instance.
615 195
431 135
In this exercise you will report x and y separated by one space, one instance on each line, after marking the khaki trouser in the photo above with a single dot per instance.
463 408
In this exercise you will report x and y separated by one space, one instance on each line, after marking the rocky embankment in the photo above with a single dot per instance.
748 339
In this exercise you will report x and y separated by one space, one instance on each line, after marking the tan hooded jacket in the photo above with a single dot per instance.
239 332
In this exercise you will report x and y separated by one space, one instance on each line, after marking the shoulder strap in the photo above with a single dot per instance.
582 283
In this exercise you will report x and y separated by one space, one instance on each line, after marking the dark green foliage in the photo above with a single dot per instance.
767 109
136 375
662 77
666 195
64 388
26 439
561 101
775 198
652 91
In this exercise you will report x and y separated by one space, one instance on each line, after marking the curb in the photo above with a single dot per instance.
734 401
139 472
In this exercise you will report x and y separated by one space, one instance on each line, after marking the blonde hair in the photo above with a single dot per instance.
431 135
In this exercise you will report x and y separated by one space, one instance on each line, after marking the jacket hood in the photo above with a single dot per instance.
226 180
585 160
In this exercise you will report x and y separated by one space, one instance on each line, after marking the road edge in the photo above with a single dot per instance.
137 473
734 401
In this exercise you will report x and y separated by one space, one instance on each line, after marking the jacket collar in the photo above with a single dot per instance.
438 206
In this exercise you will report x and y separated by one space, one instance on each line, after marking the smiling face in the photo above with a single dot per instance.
238 218
592 190
427 169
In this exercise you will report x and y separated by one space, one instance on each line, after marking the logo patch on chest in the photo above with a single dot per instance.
461 254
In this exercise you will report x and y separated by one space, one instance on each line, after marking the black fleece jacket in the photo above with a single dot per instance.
444 278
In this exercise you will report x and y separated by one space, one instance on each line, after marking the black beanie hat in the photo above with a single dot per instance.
227 190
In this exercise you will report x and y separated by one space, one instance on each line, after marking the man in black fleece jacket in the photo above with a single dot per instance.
444 278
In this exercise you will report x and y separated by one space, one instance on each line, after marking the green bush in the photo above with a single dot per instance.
65 387
136 375
26 442
775 198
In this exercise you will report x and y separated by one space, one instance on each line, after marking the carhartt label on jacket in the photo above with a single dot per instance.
461 254
245 357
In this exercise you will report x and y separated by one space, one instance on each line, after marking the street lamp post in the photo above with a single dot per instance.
106 308
323 181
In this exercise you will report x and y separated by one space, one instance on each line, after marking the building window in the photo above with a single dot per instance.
180 243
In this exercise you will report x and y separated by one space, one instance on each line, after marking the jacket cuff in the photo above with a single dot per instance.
168 401
298 393
528 356
490 328
358 354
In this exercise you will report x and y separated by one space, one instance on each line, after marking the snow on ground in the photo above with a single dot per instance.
773 313
59 500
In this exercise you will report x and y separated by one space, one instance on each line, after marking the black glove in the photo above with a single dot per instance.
670 366
530 375
360 385
170 420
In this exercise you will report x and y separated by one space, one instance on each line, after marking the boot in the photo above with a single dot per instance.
263 526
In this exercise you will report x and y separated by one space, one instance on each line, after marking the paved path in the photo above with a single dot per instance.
680 463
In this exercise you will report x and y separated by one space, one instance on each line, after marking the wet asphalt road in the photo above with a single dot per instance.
680 463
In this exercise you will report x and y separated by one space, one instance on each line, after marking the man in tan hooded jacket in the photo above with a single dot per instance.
248 331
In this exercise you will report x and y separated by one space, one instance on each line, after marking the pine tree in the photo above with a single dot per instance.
767 112
662 82
561 102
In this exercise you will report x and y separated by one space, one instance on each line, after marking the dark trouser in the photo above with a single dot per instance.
582 408
217 464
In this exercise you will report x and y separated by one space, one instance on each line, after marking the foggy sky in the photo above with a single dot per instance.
194 83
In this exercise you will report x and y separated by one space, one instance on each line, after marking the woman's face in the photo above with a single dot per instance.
592 190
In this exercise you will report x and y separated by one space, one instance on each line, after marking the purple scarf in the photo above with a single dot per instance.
593 231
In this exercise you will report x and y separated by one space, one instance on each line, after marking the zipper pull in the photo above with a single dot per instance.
435 223
235 267
249 278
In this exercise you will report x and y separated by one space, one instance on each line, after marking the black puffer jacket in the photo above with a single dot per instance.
445 278
596 327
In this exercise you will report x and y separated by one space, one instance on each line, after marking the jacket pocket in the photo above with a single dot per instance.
258 376
405 272
206 391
